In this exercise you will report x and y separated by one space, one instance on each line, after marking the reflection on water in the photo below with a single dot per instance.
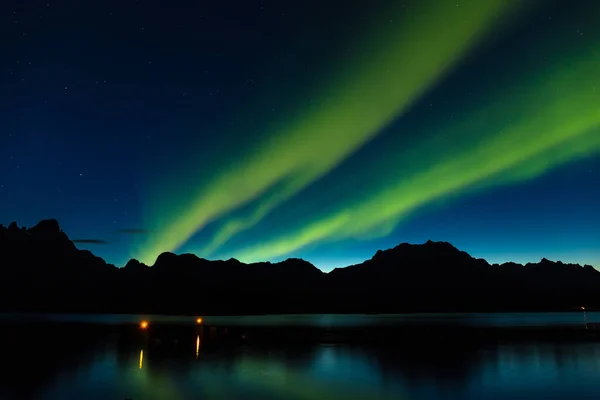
84 361
197 346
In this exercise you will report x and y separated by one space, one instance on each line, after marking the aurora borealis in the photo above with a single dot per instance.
265 130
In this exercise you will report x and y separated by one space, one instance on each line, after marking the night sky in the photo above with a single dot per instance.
326 130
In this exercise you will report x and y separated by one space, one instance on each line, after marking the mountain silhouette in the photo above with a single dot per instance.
42 270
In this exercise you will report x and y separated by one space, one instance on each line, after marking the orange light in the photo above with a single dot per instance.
582 308
198 320
144 324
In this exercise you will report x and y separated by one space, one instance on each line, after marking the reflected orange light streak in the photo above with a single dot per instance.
197 346
141 358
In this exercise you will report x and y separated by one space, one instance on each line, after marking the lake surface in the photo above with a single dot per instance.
107 357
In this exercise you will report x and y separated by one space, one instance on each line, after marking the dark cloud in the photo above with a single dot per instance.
133 231
90 241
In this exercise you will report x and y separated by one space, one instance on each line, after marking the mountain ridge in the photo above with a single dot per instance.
43 270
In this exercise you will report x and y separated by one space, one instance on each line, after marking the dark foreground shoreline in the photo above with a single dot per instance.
292 335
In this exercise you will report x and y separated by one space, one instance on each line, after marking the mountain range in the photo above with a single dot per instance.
42 270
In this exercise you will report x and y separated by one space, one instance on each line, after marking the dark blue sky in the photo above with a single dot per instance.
263 129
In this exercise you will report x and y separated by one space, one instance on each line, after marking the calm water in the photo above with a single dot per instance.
102 358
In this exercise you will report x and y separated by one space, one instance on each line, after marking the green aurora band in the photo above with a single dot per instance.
558 121
391 76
